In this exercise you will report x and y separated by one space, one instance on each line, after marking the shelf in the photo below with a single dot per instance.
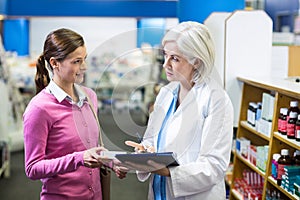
293 143
247 126
236 194
288 194
249 164
283 86
284 91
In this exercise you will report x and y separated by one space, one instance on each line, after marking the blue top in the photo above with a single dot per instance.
159 182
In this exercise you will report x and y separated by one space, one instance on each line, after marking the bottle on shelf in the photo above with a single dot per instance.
276 156
268 195
291 124
293 108
251 113
296 158
282 121
297 129
258 111
284 160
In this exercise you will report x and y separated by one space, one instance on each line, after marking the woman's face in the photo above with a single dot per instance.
72 69
176 66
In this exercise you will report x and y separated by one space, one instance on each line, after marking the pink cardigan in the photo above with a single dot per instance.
54 148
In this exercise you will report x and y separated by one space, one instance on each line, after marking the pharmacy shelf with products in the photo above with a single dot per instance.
256 175
13 103
123 81
4 153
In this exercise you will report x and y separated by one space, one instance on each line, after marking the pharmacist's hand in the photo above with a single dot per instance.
139 147
161 170
92 158
150 167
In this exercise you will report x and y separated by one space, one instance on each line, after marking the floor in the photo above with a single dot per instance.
117 127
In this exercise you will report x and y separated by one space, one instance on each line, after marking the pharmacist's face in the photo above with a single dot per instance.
176 66
72 69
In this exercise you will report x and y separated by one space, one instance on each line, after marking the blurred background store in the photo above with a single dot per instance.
125 63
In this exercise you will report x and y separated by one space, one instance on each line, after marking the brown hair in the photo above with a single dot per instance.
58 44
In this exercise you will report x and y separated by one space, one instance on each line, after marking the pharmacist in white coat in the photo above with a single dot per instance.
192 117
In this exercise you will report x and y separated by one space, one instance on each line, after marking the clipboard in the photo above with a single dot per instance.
165 158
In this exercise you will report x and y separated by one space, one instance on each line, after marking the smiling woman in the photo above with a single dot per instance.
60 58
70 70
60 130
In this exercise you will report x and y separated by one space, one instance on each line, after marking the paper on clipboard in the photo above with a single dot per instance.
165 158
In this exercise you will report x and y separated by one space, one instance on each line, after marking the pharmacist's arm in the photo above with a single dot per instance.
213 158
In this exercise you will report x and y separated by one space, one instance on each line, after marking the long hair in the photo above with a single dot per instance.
58 44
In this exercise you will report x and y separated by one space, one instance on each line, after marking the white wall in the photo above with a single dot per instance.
95 30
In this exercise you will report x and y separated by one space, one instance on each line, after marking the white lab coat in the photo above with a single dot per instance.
200 133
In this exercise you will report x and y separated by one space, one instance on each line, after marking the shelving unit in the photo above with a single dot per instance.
226 31
284 90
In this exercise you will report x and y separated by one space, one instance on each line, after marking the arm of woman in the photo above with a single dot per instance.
214 155
37 124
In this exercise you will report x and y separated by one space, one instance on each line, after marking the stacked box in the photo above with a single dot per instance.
290 177
253 154
250 186
242 146
297 186
262 157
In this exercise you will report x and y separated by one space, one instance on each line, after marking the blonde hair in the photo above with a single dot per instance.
195 43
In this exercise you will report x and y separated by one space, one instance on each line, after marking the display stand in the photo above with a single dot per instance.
284 91
4 148
243 41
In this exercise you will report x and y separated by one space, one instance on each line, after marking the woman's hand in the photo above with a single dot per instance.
119 170
140 148
151 167
92 158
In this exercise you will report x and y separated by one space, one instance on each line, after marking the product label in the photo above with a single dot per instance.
251 117
291 130
297 133
280 125
274 169
280 171
283 126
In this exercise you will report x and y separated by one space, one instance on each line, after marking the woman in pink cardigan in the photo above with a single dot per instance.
60 131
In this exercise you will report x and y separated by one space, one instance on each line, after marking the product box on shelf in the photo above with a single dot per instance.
263 126
262 157
297 188
242 147
267 106
253 154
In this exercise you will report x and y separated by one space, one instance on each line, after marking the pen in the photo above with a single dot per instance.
139 137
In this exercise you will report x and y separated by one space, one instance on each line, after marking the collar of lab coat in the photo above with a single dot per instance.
191 96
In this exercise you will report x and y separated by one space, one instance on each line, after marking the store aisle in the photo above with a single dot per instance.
19 187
